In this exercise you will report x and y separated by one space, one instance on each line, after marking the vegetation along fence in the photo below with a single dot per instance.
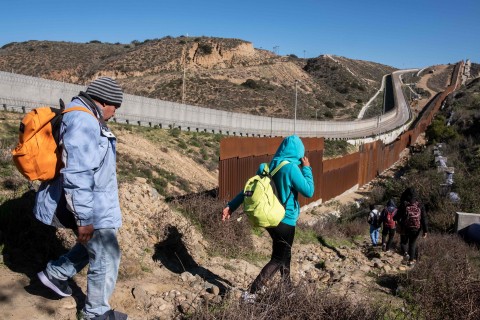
240 157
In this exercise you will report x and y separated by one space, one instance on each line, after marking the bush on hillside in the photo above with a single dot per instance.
438 131
328 114
445 283
336 148
303 302
250 83
329 104
344 229
205 48
231 238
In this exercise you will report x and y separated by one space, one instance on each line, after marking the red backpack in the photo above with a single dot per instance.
413 213
388 221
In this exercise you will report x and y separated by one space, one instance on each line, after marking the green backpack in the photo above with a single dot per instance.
260 203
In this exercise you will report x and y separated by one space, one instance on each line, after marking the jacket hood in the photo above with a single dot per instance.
409 195
391 204
291 149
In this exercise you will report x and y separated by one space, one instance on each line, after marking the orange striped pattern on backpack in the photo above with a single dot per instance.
37 155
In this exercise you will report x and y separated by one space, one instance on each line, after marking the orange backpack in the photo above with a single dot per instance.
37 155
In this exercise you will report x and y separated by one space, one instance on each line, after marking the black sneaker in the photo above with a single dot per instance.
60 287
111 315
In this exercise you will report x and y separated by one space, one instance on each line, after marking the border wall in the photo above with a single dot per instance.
240 157
23 93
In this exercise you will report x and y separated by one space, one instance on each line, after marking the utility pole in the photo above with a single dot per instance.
183 83
295 119
304 54
184 70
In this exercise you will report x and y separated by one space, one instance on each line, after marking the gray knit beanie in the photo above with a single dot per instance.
105 90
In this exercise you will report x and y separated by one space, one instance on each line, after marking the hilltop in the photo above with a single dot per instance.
220 73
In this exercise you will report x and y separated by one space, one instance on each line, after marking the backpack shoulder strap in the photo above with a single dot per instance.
79 108
279 167
266 169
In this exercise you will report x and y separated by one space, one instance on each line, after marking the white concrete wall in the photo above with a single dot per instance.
30 92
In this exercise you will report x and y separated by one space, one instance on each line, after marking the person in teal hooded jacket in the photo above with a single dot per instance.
293 178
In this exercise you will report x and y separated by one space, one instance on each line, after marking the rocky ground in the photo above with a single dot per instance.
152 285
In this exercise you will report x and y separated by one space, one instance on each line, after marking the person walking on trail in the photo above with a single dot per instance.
374 221
413 218
85 198
292 179
388 224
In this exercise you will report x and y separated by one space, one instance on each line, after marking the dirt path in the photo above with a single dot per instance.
422 83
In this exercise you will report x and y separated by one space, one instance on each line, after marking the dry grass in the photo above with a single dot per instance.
445 283
231 238
302 302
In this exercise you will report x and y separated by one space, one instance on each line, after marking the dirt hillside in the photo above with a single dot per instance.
220 73
166 269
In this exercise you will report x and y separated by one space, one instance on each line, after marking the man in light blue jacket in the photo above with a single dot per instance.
85 198
290 181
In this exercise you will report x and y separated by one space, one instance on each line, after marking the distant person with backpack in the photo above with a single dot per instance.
374 221
293 178
388 224
413 219
84 197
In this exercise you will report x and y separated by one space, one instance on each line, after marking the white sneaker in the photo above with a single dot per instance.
248 297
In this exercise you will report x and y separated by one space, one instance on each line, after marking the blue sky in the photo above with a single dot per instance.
401 34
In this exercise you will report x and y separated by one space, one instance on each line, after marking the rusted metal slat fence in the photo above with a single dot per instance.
240 157
339 175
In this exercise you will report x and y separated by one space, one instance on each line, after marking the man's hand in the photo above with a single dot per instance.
226 213
305 162
425 235
85 233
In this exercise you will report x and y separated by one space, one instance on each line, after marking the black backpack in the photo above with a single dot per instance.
375 220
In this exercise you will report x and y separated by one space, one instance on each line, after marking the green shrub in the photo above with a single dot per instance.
446 280
336 148
329 104
438 131
205 48
227 238
328 114
250 83
174 131
182 144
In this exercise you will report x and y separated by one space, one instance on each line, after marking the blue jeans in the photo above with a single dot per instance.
374 232
102 253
